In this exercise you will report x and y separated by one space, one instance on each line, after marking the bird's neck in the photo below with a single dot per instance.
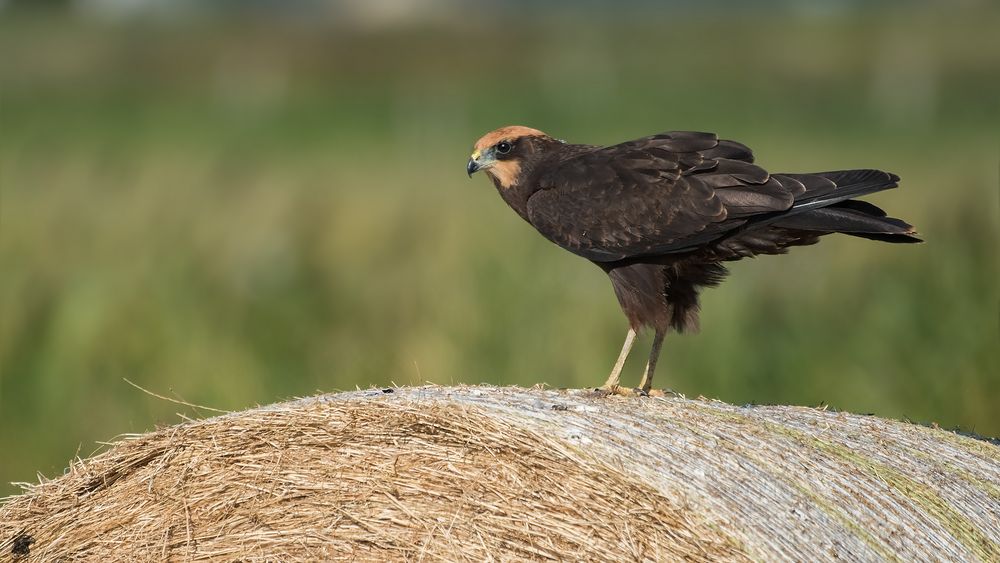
541 154
517 195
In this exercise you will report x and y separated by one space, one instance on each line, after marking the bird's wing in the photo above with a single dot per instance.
661 194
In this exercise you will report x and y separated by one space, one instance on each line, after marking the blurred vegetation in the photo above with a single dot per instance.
237 211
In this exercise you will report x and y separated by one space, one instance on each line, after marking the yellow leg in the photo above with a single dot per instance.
616 372
654 355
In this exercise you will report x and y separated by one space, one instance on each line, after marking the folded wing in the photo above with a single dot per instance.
655 195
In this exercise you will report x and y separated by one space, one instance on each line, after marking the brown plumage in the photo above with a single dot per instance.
660 214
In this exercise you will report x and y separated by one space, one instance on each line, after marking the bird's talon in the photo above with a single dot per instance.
621 391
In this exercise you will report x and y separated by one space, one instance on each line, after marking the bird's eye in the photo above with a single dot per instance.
503 147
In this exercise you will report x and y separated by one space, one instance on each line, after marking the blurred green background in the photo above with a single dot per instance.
237 203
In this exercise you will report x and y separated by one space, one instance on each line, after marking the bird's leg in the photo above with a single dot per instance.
654 355
616 372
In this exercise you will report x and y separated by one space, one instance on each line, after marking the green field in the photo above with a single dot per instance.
237 213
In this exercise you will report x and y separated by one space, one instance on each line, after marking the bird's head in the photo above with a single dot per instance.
501 153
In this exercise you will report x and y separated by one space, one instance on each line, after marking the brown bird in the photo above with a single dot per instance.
660 214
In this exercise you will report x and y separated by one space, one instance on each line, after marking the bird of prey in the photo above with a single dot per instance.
660 214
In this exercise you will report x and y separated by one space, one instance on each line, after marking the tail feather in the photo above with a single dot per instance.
862 206
824 204
856 218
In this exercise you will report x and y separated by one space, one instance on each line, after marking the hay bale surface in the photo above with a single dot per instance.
486 473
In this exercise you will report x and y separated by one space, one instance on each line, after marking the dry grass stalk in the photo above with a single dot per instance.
485 473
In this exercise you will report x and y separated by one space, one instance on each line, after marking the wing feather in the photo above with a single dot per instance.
650 196
678 191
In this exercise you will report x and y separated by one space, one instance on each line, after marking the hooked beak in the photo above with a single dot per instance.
479 160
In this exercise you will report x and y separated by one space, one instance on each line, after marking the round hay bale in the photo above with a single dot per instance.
486 473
